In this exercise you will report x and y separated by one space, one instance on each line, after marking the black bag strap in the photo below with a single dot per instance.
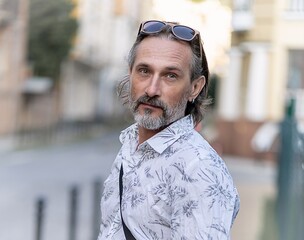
126 230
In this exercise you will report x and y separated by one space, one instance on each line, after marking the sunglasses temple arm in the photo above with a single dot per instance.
201 46
139 30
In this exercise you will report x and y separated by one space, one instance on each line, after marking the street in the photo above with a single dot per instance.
51 172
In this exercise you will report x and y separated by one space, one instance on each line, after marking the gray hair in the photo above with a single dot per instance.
199 67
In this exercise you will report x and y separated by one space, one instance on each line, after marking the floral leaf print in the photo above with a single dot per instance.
236 209
103 224
170 151
136 199
164 177
147 233
175 222
147 153
216 191
181 126
189 207
161 222
180 191
219 227
212 190
168 133
107 194
147 172
185 137
126 196
204 176
168 189
160 175
177 192
135 181
218 162
225 196
115 224
160 189
206 236
185 177
168 178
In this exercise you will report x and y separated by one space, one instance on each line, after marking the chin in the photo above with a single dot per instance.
150 122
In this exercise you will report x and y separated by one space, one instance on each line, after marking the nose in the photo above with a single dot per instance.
154 89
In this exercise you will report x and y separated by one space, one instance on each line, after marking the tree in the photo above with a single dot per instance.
213 87
51 30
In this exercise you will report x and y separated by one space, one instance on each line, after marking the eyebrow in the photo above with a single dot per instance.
169 68
173 69
141 65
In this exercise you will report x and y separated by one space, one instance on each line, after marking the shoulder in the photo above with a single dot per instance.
198 159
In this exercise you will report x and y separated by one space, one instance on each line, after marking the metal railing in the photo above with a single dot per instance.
73 217
290 202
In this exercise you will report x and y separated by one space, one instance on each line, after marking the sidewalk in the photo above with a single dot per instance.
256 184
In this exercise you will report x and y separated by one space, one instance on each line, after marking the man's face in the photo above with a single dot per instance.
160 82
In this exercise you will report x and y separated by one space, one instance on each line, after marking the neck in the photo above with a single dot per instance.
144 134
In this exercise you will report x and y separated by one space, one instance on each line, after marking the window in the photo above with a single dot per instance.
295 6
296 69
294 9
295 82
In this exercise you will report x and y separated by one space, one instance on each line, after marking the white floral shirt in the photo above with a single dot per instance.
175 186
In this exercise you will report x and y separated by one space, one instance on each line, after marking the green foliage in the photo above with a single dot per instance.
213 87
51 30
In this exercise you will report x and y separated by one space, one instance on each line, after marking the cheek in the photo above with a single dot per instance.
133 89
137 89
173 98
135 92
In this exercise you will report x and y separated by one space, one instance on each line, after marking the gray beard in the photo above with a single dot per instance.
148 122
170 114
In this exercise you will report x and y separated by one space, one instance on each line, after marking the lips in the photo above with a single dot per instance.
149 105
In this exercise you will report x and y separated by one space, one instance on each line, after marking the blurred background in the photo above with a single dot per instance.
60 118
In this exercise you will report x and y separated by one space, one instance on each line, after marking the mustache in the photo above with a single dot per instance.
145 99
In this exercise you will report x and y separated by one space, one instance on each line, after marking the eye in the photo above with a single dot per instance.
143 71
171 76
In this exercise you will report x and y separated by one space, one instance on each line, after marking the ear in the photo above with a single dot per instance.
196 87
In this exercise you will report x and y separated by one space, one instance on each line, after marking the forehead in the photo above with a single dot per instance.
164 51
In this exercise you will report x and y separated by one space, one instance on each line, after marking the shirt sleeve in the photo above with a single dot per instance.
204 201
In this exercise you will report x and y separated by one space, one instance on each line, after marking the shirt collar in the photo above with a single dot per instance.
129 133
162 140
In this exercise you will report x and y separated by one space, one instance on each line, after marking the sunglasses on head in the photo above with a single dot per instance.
181 32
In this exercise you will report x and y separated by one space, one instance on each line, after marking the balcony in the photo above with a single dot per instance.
242 16
294 10
242 21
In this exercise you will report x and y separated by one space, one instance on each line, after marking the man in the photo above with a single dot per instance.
172 184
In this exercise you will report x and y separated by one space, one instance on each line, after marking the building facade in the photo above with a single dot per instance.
266 68
13 32
106 31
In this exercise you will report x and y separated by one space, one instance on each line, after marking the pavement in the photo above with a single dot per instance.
51 172
256 184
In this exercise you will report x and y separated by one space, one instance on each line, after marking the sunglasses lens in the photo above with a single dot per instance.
184 32
153 26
